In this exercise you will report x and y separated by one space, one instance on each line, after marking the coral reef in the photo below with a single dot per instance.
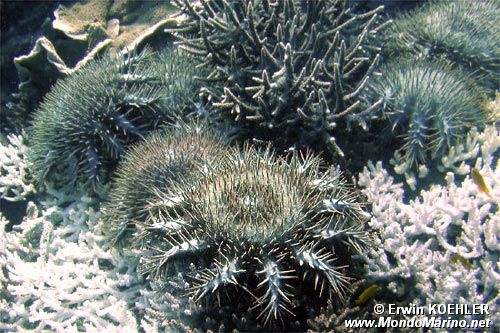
331 319
458 160
257 225
56 275
443 246
126 22
390 6
161 160
36 76
194 235
86 121
16 185
427 108
286 71
124 25
493 108
460 31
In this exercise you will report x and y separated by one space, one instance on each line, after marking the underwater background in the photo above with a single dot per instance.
263 165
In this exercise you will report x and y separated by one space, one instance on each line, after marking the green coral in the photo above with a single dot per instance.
286 71
86 121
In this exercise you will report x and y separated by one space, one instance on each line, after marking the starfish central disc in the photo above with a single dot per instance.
253 200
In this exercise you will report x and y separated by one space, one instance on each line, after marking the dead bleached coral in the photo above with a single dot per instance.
443 246
289 72
55 276
15 179
459 159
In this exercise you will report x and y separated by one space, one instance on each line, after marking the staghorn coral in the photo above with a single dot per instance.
56 277
85 123
427 108
161 160
443 246
257 225
286 71
460 31
15 178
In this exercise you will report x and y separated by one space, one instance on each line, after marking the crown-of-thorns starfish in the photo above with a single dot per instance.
258 223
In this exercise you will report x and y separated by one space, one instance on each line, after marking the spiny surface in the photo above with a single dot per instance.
163 159
429 105
286 71
84 124
463 32
255 225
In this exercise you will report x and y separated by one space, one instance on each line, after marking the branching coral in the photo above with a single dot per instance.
463 32
459 159
428 105
85 123
55 276
255 224
290 70
443 247
161 160
14 173
251 238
